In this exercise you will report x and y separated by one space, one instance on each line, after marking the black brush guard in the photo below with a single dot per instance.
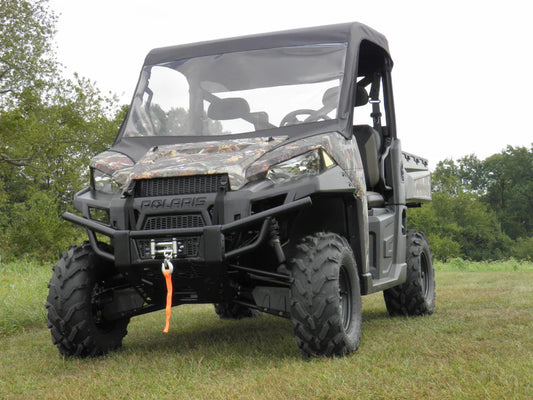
213 248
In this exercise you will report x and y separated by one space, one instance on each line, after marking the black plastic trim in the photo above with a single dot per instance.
213 253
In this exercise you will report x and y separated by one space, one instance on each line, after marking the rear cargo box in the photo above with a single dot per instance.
417 179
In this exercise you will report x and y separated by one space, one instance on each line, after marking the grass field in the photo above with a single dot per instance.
477 345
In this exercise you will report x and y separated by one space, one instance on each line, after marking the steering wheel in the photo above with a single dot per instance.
313 115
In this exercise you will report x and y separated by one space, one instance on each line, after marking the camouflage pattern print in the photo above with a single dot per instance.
117 165
344 152
228 156
244 160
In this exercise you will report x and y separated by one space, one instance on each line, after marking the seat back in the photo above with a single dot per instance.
369 142
230 108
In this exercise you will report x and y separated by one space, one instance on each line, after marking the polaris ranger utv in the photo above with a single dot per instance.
260 174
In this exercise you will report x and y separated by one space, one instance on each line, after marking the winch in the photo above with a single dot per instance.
174 247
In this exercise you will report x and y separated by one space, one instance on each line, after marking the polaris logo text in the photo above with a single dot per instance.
181 202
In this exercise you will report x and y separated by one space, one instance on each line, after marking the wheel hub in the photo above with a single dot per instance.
345 294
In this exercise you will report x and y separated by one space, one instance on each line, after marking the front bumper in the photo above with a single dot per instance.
209 239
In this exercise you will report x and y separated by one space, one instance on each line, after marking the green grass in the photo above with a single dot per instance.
460 265
23 290
477 345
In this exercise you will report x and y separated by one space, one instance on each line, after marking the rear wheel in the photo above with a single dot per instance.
417 295
77 292
325 296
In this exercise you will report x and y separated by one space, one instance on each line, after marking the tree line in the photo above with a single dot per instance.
481 209
51 126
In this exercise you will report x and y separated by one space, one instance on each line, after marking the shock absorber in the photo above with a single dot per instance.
275 243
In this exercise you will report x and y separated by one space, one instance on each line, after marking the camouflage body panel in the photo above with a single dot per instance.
227 156
244 160
117 165
344 152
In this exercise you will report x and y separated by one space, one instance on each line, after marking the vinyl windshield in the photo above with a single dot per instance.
238 92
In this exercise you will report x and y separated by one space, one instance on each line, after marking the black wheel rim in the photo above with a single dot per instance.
345 292
424 274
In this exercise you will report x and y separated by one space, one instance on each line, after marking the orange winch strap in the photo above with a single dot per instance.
168 279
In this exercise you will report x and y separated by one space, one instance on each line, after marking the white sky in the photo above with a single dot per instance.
463 74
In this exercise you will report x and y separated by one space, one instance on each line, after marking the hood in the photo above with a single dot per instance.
228 156
244 160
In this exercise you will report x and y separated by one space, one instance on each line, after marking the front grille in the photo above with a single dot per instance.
179 221
190 249
180 185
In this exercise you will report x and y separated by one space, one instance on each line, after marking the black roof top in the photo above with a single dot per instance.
353 33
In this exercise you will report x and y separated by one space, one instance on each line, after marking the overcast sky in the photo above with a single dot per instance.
463 76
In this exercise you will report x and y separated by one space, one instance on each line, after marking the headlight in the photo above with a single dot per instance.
308 164
104 183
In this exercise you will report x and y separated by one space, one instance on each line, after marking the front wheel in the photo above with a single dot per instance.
77 293
417 295
325 296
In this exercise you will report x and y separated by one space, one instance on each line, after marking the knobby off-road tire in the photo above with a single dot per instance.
325 296
235 311
417 295
74 320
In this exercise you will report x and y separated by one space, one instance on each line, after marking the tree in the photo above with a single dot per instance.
27 62
503 181
52 145
472 172
460 226
446 177
50 127
467 175
481 208
510 189
48 146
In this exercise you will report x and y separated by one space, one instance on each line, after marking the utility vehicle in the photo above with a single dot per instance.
260 174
